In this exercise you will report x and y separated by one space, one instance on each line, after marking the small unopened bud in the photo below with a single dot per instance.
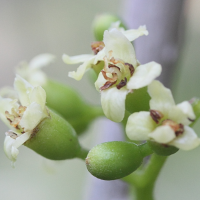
113 160
103 22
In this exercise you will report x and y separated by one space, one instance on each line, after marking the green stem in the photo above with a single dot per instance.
82 154
144 180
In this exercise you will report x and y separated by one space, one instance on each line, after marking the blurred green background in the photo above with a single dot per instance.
29 28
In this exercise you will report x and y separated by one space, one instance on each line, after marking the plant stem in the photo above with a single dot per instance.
144 180
82 154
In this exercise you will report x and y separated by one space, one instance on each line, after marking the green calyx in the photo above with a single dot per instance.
162 149
69 104
138 100
113 160
55 139
195 102
102 22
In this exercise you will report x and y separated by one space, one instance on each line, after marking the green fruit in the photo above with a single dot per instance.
54 138
138 100
113 160
102 22
162 149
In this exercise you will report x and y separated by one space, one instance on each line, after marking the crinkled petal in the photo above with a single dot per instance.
163 134
186 108
38 95
161 97
144 75
41 61
100 81
120 46
113 103
187 141
133 34
139 125
11 145
32 117
82 69
76 59
23 89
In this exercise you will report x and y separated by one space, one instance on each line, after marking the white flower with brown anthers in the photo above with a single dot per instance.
22 115
121 74
166 123
89 60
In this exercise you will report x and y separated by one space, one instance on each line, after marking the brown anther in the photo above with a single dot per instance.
178 128
22 109
107 85
15 122
192 120
111 65
97 46
156 115
114 78
11 134
122 83
131 68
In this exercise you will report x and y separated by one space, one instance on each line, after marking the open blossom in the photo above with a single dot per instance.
32 71
22 115
166 123
89 60
121 74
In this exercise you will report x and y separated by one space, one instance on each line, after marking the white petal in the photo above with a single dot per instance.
186 108
100 81
187 141
23 89
8 92
37 78
11 145
82 69
144 75
161 97
163 134
76 59
120 46
41 61
139 125
133 34
113 103
32 117
38 95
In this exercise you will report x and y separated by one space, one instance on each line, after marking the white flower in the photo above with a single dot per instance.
89 60
121 74
166 123
31 71
22 115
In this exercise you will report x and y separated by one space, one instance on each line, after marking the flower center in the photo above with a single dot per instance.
116 72
157 117
15 117
97 46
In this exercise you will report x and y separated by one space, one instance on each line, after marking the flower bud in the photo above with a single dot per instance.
138 100
103 22
162 149
66 102
54 138
113 160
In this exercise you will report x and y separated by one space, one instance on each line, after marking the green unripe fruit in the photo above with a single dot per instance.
138 100
54 138
113 160
161 149
102 22
69 104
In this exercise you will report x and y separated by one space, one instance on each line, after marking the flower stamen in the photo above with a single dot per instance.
97 46
156 115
